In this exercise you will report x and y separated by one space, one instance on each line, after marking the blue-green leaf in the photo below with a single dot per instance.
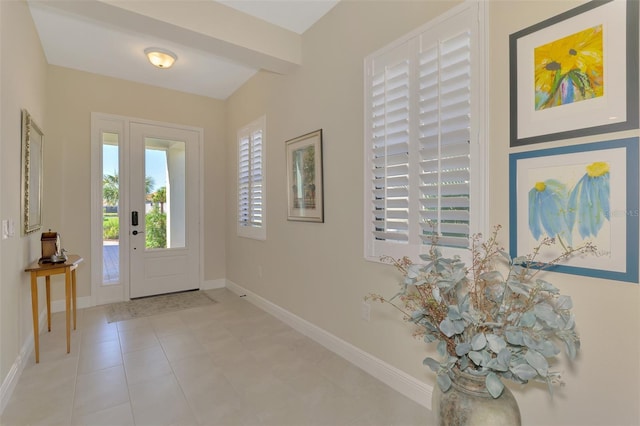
432 364
413 271
464 362
476 357
494 364
447 327
564 303
548 349
462 348
520 260
429 326
504 356
496 343
478 342
428 338
519 288
571 348
524 371
537 361
417 315
529 341
444 381
442 348
545 312
463 306
528 319
514 337
454 313
494 385
546 286
491 276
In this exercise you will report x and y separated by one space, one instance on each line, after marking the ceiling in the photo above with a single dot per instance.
219 44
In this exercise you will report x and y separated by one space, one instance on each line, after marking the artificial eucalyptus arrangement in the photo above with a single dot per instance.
486 322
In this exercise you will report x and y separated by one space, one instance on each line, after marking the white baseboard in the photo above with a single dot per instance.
213 284
11 379
407 385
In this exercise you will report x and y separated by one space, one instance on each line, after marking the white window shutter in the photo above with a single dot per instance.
251 180
445 119
390 152
423 137
255 181
243 181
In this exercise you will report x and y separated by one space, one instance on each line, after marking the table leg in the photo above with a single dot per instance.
34 308
67 293
47 280
73 295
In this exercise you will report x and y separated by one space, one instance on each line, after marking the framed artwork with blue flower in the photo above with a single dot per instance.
575 74
578 194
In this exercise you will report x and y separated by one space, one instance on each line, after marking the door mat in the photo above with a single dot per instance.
155 305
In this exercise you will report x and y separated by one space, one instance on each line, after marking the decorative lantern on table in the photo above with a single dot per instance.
52 251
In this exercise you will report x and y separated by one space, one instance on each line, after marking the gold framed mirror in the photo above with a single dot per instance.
32 142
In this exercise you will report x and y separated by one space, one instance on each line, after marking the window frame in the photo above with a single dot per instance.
374 248
244 228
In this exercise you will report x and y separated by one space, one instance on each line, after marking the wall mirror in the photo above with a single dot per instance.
32 141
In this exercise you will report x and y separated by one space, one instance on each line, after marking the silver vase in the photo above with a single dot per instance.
468 403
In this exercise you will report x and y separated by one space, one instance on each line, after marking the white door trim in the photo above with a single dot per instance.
101 294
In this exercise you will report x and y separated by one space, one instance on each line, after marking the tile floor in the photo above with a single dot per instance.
225 364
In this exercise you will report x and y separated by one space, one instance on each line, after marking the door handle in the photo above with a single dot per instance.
136 232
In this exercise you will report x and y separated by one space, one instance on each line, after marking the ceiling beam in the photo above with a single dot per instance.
205 25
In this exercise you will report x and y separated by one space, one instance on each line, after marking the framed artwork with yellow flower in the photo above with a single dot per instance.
578 194
575 74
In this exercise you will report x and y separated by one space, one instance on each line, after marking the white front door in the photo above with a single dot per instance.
164 209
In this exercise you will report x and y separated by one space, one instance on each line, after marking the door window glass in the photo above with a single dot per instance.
165 192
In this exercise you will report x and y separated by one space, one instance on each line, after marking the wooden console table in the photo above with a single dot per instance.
67 268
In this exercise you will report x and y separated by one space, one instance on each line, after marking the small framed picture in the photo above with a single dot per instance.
304 178
575 74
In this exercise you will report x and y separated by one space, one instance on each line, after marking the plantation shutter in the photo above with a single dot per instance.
250 179
445 118
424 170
390 149
251 183
244 201
255 183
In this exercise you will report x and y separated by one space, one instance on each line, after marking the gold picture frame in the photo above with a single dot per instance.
32 158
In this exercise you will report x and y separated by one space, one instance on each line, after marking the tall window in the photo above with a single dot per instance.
424 142
251 181
110 208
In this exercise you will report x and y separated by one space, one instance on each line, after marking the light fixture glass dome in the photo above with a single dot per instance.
161 58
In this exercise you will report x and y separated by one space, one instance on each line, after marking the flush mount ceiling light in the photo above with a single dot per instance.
161 58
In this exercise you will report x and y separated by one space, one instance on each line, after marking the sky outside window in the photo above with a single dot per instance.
156 164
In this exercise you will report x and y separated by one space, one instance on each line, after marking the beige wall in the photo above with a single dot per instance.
317 271
23 73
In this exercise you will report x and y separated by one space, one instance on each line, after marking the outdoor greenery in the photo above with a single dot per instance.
110 227
156 228
155 220
485 322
